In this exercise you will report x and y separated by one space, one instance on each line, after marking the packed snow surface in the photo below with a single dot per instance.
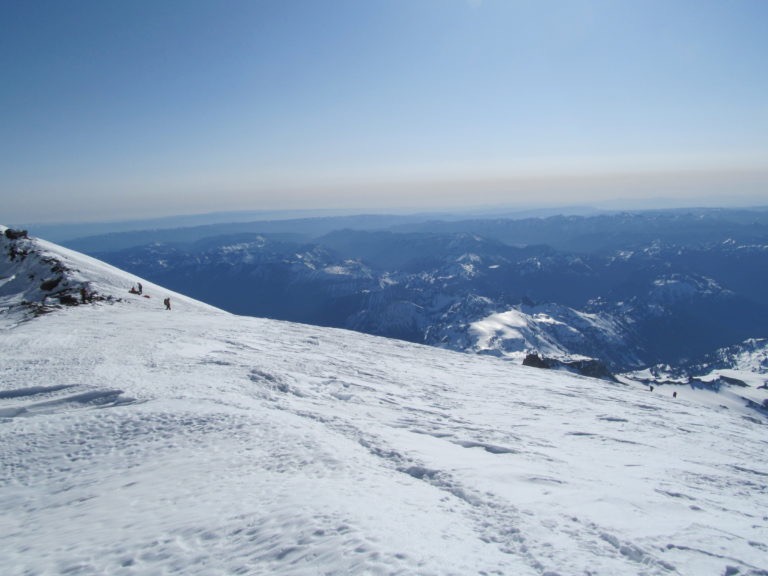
135 440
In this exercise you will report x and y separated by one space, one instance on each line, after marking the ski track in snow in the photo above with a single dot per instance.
137 441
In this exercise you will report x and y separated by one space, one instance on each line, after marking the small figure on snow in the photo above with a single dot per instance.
83 295
167 303
674 394
140 287
651 389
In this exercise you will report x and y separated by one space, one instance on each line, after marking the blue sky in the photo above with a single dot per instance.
112 109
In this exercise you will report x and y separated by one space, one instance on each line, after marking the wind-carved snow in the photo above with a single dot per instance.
135 440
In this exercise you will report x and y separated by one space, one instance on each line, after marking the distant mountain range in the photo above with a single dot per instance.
628 289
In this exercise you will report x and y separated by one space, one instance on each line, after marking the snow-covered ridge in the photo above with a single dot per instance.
138 441
37 276
732 376
549 329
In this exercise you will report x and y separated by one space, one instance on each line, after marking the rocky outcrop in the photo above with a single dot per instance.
584 366
12 234
33 281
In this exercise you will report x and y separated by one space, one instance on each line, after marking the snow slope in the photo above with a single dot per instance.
551 330
135 440
37 277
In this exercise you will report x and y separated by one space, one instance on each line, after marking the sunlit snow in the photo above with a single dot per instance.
135 440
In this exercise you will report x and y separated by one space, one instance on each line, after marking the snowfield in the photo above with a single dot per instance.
135 440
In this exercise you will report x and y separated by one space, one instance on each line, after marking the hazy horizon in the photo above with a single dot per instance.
63 230
116 111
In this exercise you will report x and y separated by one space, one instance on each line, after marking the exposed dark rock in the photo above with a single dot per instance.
14 252
49 285
535 361
12 234
586 367
590 367
68 300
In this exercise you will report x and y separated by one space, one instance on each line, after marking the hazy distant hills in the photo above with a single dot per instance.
609 232
630 289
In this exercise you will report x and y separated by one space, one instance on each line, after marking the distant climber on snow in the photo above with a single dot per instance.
167 303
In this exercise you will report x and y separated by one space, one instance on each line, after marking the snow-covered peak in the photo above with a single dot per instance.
551 330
